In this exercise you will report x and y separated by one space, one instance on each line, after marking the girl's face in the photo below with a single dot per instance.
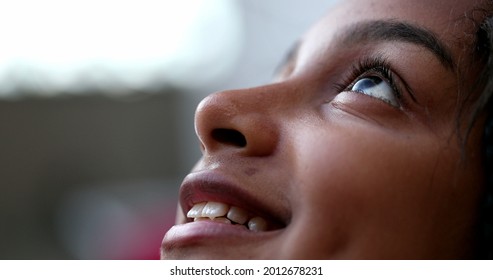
352 153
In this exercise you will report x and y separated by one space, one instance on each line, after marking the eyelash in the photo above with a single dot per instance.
365 68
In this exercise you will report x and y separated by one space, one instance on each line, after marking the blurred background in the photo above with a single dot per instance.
96 112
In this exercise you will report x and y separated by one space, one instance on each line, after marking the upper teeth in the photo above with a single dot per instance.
220 212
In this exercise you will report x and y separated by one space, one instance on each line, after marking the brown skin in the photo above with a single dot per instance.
351 176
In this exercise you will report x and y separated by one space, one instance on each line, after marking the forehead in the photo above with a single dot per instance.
428 12
445 18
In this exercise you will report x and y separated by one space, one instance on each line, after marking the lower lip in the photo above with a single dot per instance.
205 232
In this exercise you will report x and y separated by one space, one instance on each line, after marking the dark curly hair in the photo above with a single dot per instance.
482 108
485 104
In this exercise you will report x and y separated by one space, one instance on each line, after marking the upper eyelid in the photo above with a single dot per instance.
373 71
379 61
401 83
374 65
358 68
382 73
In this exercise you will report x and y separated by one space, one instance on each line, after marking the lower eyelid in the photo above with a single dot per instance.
345 107
358 100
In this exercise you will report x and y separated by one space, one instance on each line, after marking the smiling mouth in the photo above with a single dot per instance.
212 211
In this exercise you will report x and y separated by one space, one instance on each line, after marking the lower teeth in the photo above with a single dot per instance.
216 219
255 224
222 220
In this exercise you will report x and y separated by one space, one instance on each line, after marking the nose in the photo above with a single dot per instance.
239 121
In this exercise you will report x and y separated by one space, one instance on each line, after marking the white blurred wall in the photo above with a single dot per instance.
72 164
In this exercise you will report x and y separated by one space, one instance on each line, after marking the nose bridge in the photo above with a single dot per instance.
239 120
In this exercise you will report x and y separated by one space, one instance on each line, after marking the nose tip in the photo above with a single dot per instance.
231 121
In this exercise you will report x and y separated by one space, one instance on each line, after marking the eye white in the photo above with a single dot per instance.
376 87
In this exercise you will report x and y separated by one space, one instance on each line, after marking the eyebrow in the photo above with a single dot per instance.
392 30
386 30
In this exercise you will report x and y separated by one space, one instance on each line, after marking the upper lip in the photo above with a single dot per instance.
214 186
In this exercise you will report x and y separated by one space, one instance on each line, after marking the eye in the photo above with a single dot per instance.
373 76
376 87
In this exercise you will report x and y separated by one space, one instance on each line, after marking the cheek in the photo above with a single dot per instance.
362 185
365 163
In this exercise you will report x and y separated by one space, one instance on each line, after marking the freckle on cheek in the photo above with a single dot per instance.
250 171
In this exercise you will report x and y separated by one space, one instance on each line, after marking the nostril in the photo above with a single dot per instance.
229 136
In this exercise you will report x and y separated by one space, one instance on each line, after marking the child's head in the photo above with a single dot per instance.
368 145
